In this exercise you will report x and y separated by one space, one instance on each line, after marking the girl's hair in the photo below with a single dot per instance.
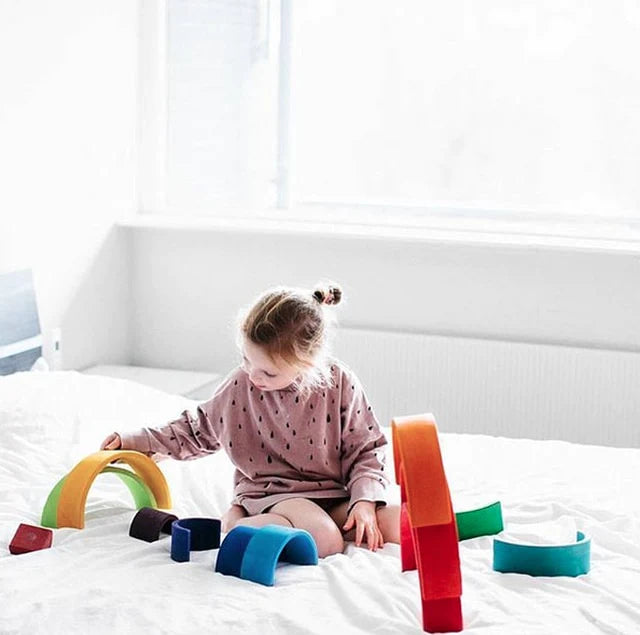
293 325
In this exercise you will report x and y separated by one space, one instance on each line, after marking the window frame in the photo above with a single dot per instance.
153 166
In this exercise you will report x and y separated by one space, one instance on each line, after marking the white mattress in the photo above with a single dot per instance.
99 580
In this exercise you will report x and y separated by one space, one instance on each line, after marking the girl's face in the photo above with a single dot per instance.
264 373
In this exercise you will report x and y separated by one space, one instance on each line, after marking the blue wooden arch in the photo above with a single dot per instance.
252 553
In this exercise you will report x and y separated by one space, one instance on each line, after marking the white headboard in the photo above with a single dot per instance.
20 337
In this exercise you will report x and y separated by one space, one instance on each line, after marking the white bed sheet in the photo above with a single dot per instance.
99 580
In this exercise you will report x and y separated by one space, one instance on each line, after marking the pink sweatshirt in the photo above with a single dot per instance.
326 445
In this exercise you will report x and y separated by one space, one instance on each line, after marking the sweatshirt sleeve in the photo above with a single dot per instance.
363 445
190 436
187 437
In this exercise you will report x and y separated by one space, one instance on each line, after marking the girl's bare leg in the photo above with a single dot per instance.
305 514
260 520
237 515
326 528
232 516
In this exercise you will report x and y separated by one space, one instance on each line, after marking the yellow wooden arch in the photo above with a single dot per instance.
73 495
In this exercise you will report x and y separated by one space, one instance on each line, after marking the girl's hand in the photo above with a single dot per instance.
363 516
112 442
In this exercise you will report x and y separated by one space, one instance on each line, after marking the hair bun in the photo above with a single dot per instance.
328 294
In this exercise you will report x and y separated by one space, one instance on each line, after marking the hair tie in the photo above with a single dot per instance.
330 296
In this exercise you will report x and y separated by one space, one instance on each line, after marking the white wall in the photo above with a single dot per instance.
189 284
67 164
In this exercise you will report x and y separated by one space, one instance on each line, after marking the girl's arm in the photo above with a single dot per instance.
363 445
188 436
185 438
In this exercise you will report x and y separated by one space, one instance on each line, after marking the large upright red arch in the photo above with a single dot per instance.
429 535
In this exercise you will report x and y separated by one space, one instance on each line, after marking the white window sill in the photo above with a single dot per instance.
593 237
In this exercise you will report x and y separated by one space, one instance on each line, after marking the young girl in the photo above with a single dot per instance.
307 448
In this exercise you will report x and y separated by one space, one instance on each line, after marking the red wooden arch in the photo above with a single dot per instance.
429 534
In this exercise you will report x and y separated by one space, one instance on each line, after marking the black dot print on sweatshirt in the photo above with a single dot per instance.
269 459
328 418
244 409
235 383
233 402
311 457
221 420
297 399
259 417
310 441
250 388
370 427
311 406
230 444
287 424
294 433
261 397
239 426
288 446
271 435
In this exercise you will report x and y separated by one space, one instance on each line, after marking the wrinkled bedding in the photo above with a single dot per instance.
99 580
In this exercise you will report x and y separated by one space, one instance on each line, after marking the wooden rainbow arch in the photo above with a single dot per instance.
428 531
66 502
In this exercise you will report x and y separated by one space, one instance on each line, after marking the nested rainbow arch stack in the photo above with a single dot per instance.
66 503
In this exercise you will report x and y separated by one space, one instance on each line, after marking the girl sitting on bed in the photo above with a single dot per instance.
308 450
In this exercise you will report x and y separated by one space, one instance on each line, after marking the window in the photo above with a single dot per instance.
222 87
406 110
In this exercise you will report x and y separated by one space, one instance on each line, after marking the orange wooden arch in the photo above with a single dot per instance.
429 535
